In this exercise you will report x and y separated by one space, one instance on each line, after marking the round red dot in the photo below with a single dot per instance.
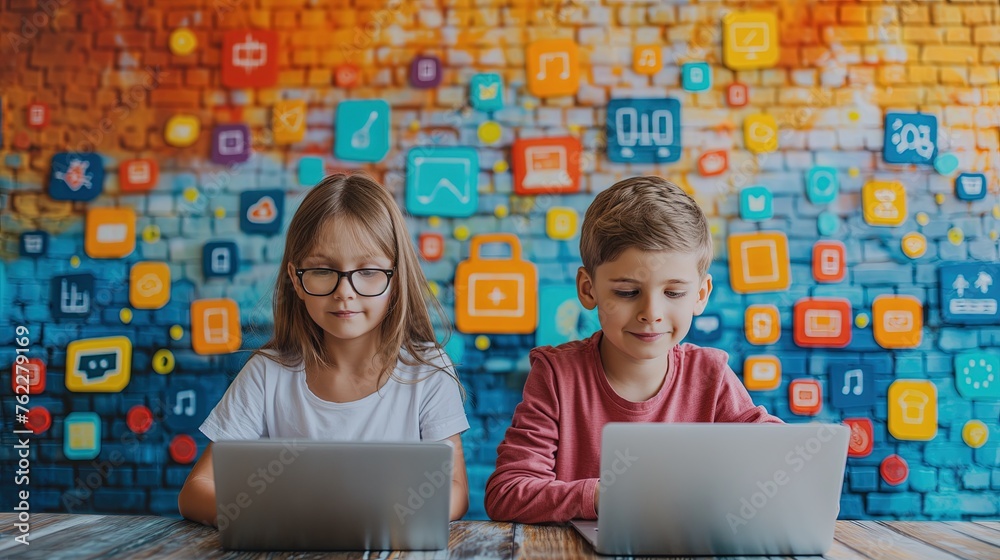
894 470
139 419
39 419
183 449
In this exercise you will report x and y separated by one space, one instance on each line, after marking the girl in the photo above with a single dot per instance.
353 356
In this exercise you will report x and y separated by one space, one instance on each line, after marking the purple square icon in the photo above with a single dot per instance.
230 143
425 72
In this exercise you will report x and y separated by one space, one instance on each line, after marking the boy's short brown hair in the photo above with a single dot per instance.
648 213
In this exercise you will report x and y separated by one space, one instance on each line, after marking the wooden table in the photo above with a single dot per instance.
60 536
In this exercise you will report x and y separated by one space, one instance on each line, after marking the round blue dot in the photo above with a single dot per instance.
946 164
828 223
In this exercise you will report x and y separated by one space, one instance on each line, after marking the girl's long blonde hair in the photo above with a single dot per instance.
366 204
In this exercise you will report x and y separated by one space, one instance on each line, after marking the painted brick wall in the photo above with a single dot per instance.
107 76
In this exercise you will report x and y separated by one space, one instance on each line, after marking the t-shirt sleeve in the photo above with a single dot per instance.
734 403
442 413
240 413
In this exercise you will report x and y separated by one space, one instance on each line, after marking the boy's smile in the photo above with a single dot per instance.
645 302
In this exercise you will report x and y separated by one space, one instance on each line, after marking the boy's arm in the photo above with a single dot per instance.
734 404
197 498
523 488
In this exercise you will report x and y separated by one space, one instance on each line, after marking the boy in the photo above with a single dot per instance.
646 249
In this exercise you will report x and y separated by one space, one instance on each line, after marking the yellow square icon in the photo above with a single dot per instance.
760 133
762 324
110 233
215 326
99 365
553 67
182 130
560 223
884 203
288 121
647 59
149 285
898 321
762 373
82 436
750 40
758 262
913 409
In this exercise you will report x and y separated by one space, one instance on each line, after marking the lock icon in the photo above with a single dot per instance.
497 296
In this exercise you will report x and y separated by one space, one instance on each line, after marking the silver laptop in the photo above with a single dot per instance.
718 489
308 495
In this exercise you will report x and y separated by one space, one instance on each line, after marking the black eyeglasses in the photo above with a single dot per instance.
367 282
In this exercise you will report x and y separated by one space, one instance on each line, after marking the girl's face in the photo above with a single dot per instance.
344 315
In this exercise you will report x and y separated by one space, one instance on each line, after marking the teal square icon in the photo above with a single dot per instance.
81 435
822 185
311 170
561 316
362 130
442 181
486 92
756 203
977 375
696 76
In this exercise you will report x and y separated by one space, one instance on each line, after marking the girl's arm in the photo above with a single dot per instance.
197 498
459 480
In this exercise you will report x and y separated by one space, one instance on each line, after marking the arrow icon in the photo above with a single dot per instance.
983 282
960 284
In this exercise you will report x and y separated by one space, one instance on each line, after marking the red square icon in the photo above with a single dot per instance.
862 437
250 58
347 76
546 165
713 163
822 322
138 175
829 261
737 95
431 246
805 397
30 374
38 115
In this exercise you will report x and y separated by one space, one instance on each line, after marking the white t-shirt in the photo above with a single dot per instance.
268 400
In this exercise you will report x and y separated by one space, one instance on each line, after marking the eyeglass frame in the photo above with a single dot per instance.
389 272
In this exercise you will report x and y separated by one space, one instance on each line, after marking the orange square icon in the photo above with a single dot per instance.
829 261
138 175
758 262
431 246
805 397
553 67
110 233
288 121
149 285
215 326
897 321
762 373
822 322
762 324
496 295
249 58
546 165
647 59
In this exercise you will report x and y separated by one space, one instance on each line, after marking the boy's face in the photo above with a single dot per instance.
645 301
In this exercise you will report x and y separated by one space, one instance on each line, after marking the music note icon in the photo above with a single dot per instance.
546 58
855 374
553 67
179 407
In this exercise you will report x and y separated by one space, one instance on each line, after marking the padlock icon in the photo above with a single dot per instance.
496 295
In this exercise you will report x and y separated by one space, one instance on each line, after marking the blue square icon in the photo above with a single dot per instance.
362 132
852 386
644 130
696 76
756 203
33 243
220 259
969 294
486 92
910 138
442 181
311 170
970 186
261 211
76 176
977 374
705 328
71 296
561 317
822 185
81 436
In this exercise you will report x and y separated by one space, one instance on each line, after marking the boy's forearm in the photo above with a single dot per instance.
525 499
197 501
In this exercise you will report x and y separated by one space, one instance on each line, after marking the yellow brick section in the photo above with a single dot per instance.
935 54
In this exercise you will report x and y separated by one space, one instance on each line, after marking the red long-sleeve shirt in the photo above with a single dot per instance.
549 461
